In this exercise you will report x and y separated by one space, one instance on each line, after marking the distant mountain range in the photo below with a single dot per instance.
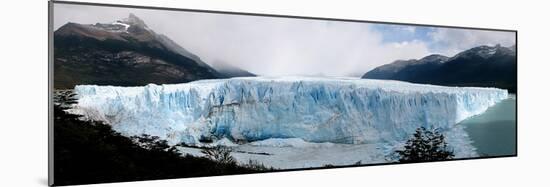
124 53
483 66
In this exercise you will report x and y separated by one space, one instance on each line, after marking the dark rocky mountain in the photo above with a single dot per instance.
406 69
122 53
483 66
227 70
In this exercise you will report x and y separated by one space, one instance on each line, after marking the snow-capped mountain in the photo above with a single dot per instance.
124 52
484 66
486 52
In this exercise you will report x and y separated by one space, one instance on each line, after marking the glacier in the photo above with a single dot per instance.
248 109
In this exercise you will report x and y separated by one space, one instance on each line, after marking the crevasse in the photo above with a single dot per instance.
337 110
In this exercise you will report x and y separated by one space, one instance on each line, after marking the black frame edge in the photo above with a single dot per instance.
274 15
50 96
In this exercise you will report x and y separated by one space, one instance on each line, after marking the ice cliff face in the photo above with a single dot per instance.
336 110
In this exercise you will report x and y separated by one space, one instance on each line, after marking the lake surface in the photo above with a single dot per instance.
494 132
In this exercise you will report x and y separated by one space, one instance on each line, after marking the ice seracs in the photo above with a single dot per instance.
334 110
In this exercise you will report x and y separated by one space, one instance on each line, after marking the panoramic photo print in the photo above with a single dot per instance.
144 94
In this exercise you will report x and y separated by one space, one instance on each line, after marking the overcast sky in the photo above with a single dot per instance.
284 46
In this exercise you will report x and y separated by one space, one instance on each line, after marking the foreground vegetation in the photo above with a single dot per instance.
88 152
425 145
91 152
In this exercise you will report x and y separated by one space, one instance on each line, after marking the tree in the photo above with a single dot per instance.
154 143
424 146
89 151
220 154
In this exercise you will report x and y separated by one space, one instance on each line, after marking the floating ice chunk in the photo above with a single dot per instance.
289 142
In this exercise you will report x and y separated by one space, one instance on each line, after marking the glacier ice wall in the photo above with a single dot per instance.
337 110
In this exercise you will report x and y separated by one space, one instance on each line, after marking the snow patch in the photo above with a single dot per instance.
126 26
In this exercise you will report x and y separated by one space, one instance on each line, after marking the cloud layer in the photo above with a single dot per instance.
281 46
452 41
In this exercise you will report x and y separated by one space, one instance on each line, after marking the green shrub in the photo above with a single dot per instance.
424 146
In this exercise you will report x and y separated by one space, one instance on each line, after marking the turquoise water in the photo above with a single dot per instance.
494 132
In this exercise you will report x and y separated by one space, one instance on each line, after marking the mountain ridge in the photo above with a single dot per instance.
123 53
483 66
